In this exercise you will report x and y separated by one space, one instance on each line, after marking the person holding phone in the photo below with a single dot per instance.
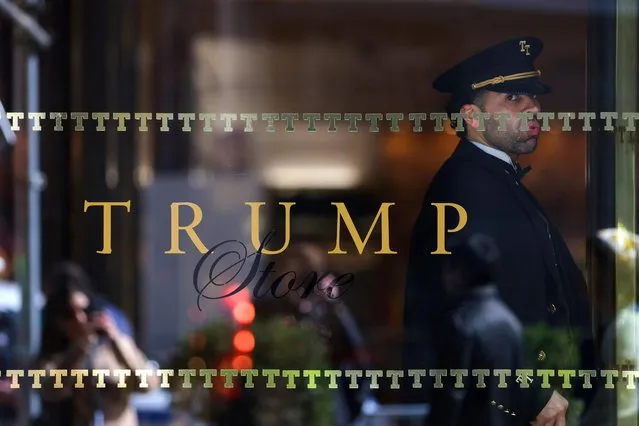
65 271
79 334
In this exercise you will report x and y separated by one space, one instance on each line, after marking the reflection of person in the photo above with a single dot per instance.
66 271
540 282
483 334
322 309
323 305
78 334
325 308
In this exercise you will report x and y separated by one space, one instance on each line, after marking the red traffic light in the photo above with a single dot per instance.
242 362
232 300
244 341
244 313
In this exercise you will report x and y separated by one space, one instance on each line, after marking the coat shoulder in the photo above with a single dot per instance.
459 177
491 316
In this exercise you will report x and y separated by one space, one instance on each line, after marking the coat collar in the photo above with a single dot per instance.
467 151
494 152
487 291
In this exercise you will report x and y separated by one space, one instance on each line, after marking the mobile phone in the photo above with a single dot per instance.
94 307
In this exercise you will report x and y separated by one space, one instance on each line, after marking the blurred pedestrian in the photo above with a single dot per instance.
317 302
65 271
79 334
482 333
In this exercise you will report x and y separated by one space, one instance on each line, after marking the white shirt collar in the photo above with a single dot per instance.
494 152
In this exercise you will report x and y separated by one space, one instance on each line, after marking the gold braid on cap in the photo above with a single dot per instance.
502 78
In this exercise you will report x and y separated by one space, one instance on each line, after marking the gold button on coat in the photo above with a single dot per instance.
541 356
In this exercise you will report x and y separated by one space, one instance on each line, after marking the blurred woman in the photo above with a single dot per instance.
79 334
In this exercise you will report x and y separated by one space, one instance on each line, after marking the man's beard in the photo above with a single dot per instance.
512 140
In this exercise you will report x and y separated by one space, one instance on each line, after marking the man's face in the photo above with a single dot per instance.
508 137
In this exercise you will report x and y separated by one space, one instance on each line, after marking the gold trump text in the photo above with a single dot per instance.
311 379
343 216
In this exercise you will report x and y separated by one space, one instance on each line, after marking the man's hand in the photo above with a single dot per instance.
326 290
554 413
103 322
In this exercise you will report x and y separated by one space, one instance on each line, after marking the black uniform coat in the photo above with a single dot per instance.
485 335
539 280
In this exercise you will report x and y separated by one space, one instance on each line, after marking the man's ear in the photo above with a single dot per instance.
469 112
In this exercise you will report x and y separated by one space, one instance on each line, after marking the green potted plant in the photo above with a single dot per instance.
278 345
560 354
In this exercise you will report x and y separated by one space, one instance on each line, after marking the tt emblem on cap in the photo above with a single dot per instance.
525 47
